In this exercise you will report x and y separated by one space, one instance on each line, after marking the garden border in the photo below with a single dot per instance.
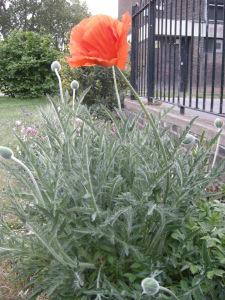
204 122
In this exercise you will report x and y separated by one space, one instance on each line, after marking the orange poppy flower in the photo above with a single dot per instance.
100 40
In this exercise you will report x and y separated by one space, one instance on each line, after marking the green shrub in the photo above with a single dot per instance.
196 255
25 60
99 79
117 205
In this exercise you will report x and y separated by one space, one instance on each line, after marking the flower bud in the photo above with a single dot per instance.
218 123
150 286
74 85
6 152
55 66
189 139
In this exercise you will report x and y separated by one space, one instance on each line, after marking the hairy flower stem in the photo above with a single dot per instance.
116 89
58 116
31 177
98 284
163 289
216 151
60 85
73 100
90 182
148 115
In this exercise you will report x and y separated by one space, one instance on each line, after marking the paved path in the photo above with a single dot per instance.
205 121
193 104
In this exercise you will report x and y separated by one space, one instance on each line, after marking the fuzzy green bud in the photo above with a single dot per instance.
6 153
150 286
55 66
189 139
74 85
218 123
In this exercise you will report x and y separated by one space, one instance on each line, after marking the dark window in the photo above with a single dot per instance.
216 7
160 5
209 45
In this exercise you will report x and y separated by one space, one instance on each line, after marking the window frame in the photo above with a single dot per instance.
213 5
211 49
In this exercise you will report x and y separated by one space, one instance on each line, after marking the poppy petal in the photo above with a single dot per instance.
100 40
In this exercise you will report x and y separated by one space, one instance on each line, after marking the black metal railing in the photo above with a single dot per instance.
178 52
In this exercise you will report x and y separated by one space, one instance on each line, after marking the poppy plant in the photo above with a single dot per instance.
100 40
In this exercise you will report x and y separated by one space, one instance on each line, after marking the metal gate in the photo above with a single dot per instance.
178 52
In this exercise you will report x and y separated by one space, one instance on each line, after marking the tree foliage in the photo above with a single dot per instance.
100 79
55 17
25 59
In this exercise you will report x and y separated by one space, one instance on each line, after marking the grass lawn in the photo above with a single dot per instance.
11 110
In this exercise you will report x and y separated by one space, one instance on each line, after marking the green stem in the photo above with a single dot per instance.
58 116
98 284
90 182
60 86
163 289
31 177
216 151
135 94
116 89
148 115
73 101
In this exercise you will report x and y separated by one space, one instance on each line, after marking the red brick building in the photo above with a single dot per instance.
125 5
191 45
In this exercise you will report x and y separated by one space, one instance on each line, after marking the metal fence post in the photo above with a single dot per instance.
134 48
197 71
151 51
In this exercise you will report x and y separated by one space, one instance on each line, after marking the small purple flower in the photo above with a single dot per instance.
31 131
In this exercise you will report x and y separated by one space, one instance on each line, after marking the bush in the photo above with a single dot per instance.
25 60
99 79
116 204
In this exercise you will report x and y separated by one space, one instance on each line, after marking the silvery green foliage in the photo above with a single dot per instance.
112 206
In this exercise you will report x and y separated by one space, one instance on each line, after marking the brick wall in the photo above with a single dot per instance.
172 53
125 5
185 9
